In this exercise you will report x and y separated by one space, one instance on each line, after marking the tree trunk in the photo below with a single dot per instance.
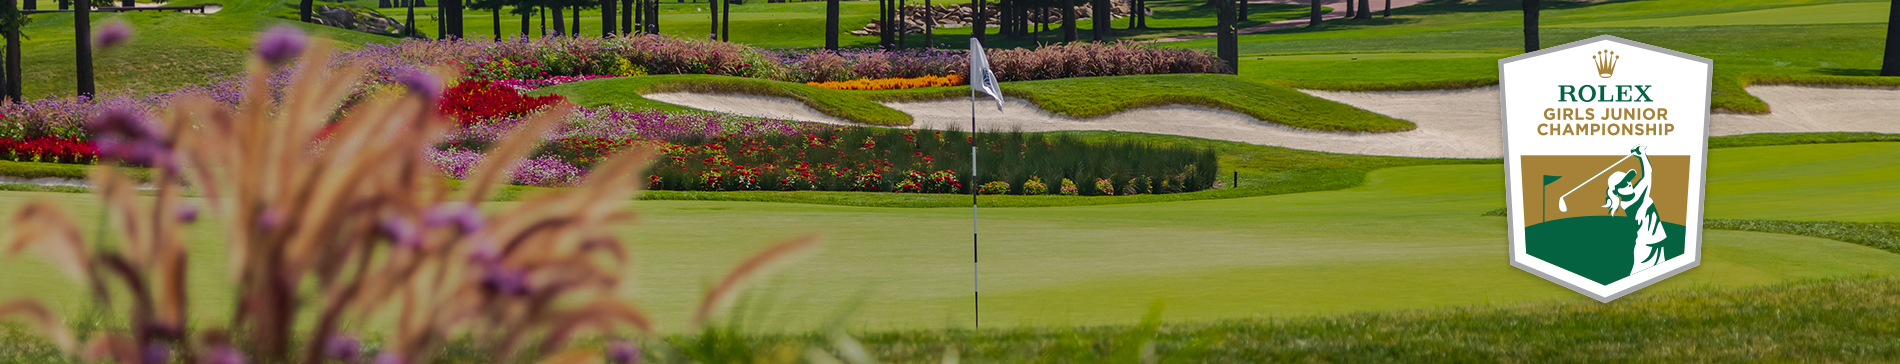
1365 10
1315 19
714 12
1143 12
1068 21
1890 63
653 17
1006 18
725 20
576 30
626 17
978 28
29 5
527 23
1100 11
11 88
1530 26
65 4
1243 12
930 22
409 25
1228 44
454 17
543 11
303 8
82 44
831 24
903 21
560 26
607 26
380 4
1388 8
1348 10
496 14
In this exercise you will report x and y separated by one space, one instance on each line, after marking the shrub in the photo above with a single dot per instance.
1082 59
1103 186
1034 186
994 188
1068 188
892 83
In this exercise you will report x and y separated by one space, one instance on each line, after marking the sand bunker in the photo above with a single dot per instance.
1458 124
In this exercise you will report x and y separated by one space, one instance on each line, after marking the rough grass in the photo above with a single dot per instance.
626 91
1883 236
1827 320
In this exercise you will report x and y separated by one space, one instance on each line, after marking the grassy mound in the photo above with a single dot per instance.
626 91
1747 51
169 50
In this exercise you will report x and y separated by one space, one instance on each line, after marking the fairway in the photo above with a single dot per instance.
1373 56
1411 237
1814 14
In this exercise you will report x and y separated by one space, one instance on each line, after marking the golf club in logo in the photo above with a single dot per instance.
1606 63
1630 154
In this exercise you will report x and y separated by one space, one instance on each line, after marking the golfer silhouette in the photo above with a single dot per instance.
1631 194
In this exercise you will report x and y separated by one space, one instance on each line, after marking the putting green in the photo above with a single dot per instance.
1410 238
1846 182
1372 56
1871 12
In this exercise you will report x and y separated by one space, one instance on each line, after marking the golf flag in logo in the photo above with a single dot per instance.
1616 132
981 79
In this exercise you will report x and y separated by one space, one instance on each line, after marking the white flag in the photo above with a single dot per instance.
981 79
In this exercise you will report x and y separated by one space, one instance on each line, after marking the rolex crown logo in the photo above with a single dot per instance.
1606 63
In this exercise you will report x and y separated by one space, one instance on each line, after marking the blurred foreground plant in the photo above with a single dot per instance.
338 236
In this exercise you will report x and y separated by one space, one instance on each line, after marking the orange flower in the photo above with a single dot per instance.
892 83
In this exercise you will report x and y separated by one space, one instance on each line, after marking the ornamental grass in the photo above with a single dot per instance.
366 228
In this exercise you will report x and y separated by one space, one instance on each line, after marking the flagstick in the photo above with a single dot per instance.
975 283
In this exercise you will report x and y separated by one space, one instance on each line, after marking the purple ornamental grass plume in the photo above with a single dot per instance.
280 44
622 352
156 353
224 355
111 34
342 348
420 83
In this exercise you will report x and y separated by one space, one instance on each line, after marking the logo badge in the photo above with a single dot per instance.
1604 179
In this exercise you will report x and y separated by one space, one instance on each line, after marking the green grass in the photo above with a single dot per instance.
168 50
1406 239
1744 53
1819 182
626 91
1815 14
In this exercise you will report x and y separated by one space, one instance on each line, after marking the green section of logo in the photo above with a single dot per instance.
1597 247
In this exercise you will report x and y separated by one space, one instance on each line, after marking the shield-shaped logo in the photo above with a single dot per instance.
1606 142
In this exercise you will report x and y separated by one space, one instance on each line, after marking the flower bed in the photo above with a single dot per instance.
892 83
527 59
475 101
49 150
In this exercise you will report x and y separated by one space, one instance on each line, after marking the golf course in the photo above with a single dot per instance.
1356 210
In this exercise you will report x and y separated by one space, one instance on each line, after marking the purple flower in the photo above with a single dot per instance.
112 34
342 348
547 171
156 353
280 44
621 352
224 355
